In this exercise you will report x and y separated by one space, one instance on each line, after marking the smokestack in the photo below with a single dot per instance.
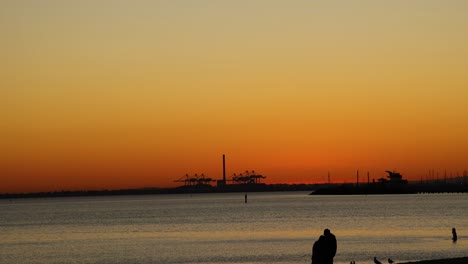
357 178
224 169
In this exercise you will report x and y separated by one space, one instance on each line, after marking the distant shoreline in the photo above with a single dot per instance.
314 189
159 191
463 260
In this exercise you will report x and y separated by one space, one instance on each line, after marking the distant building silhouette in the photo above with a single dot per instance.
393 178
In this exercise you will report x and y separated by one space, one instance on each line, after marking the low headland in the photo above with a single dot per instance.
388 188
395 184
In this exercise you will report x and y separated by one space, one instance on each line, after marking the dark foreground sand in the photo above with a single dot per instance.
463 260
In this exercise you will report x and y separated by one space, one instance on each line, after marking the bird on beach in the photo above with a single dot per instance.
390 260
376 261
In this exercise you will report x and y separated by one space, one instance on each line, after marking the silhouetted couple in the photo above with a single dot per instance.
324 248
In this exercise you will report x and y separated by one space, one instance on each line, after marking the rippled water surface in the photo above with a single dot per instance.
221 228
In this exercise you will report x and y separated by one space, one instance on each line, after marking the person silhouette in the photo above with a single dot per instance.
376 261
318 251
454 235
330 246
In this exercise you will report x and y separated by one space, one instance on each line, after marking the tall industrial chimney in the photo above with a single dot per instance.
357 178
224 169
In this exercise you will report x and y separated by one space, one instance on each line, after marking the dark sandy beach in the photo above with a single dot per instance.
463 260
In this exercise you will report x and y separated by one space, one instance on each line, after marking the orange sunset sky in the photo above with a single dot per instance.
128 94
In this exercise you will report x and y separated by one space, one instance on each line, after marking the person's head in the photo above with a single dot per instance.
326 232
321 238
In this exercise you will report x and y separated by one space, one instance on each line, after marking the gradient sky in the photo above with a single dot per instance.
125 94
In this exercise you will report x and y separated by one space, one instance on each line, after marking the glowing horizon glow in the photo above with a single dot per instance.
113 94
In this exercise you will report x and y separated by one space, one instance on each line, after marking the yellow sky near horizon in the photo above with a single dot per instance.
120 94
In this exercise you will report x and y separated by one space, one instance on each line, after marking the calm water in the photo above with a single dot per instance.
220 228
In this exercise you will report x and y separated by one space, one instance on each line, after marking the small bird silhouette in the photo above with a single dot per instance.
390 260
376 261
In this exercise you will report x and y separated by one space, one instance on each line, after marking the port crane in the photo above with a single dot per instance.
247 177
195 180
